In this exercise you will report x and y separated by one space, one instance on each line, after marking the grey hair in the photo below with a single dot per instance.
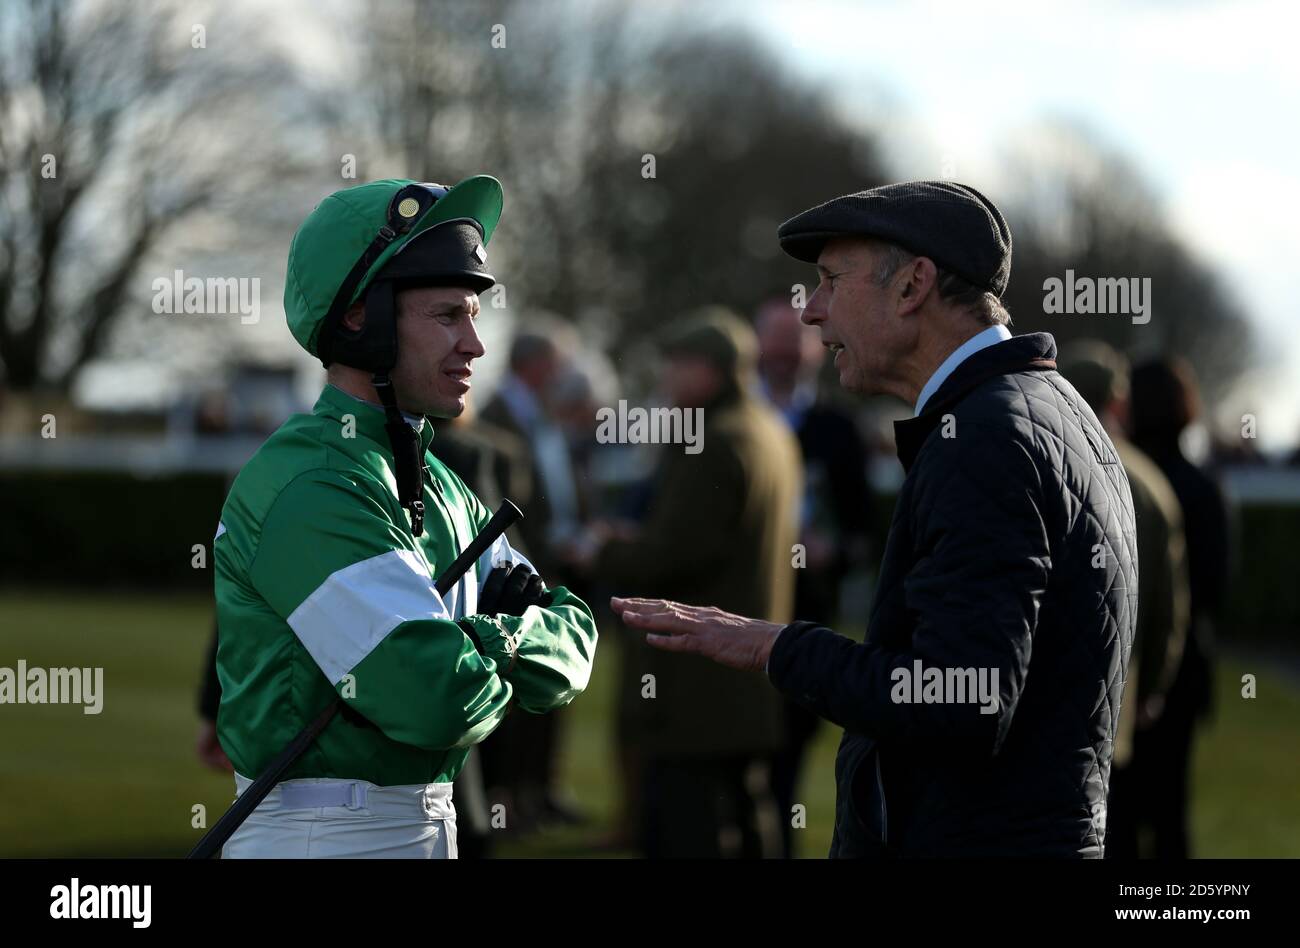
981 303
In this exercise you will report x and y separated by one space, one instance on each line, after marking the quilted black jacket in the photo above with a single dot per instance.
1012 549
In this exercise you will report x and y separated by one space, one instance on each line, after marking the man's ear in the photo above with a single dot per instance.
922 277
355 317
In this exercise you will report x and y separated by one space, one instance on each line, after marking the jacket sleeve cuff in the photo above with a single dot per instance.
780 661
492 640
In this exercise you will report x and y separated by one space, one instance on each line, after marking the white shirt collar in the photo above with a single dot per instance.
981 340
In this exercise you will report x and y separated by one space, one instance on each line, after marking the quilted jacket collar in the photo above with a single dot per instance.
1032 352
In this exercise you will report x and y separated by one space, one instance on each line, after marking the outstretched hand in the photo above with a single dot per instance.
725 638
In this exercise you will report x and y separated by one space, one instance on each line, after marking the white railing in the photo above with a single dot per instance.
142 455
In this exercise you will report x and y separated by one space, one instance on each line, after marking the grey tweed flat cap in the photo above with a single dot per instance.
954 225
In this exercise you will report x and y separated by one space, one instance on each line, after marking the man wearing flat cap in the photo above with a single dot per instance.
980 712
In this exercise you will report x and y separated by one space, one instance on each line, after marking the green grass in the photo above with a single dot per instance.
1246 769
122 783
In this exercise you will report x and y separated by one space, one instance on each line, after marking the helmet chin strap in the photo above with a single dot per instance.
374 347
407 463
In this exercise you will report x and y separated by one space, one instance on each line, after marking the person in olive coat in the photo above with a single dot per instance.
721 527
1101 376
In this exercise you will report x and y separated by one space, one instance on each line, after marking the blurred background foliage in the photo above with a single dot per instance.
169 155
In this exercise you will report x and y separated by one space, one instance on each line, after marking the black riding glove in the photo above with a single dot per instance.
510 589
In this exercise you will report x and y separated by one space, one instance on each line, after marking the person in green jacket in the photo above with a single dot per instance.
333 533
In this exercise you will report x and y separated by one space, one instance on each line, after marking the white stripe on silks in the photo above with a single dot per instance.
499 552
502 551
462 600
221 528
356 607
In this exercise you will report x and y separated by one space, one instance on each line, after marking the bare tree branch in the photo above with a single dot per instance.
144 130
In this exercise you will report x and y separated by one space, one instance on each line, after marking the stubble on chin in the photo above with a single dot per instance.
452 409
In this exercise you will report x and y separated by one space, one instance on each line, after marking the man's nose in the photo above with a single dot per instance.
814 311
470 343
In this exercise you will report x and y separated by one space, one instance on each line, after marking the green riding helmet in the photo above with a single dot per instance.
366 243
352 236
